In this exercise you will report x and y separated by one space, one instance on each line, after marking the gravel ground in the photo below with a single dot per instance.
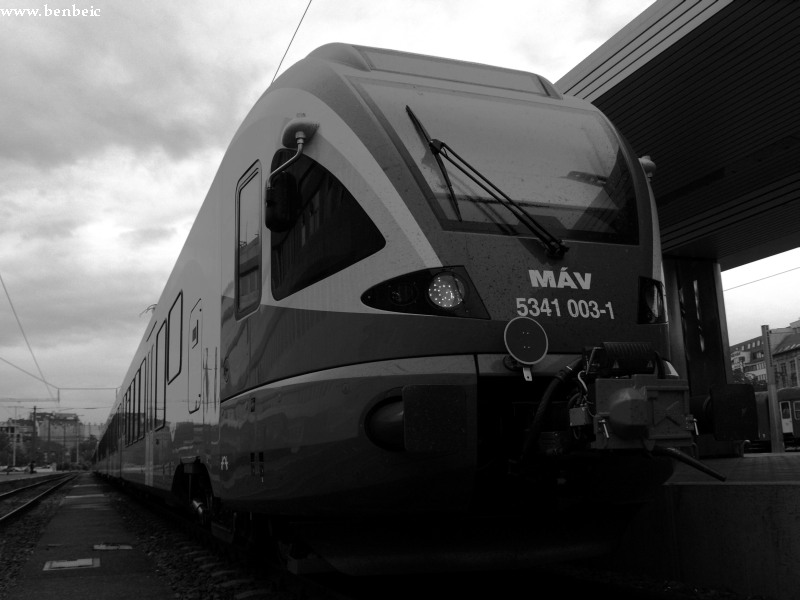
196 571
193 572
18 539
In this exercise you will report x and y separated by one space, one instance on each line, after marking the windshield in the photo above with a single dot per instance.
564 166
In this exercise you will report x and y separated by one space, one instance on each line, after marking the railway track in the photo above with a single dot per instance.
16 502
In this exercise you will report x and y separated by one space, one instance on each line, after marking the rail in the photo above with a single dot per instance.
30 503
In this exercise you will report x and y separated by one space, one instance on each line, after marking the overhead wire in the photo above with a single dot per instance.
28 373
761 279
9 363
291 40
22 329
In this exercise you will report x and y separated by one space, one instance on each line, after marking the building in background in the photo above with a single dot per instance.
748 358
18 434
58 437
48 437
786 358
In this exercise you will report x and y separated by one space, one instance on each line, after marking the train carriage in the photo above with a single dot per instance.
789 407
416 286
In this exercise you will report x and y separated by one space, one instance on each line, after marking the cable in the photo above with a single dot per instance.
31 374
26 339
53 385
291 40
762 279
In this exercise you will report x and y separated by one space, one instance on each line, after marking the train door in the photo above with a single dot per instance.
795 422
786 418
148 419
198 379
120 439
160 432
242 296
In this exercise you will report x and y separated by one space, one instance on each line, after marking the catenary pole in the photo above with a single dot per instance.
775 429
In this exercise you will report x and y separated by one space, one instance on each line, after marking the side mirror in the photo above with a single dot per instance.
281 193
648 165
281 199
298 131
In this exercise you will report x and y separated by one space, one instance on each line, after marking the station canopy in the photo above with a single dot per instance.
710 90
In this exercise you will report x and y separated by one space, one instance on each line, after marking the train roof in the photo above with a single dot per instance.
789 393
366 59
325 70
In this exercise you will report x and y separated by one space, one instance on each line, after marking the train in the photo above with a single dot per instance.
422 298
789 406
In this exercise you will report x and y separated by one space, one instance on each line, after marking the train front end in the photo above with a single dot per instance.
465 330
545 225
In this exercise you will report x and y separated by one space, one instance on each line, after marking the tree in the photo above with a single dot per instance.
739 376
86 450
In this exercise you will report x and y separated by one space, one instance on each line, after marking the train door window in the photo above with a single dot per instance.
248 254
329 230
195 362
796 407
175 334
160 364
786 416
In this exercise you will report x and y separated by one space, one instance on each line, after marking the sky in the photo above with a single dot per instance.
113 121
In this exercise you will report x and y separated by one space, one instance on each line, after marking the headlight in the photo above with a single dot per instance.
444 292
447 291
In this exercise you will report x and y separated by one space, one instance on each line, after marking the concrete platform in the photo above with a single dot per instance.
85 552
742 534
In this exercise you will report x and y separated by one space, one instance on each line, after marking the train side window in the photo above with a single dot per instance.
141 398
134 410
175 334
160 364
130 413
150 398
248 252
128 416
796 407
329 230
124 419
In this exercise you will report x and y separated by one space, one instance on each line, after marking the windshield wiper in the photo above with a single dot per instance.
439 162
554 246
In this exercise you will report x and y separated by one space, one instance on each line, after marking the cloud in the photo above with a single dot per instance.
147 236
133 77
85 252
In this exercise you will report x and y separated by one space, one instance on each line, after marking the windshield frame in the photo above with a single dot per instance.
637 190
